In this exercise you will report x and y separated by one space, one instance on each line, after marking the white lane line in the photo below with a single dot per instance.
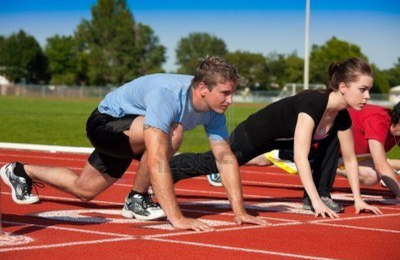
355 218
397 209
247 250
44 157
93 232
79 243
212 223
235 228
360 228
231 214
73 199
14 240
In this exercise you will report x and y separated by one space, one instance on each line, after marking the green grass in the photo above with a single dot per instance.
394 153
44 121
57 121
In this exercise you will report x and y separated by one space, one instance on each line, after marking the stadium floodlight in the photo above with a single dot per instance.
307 48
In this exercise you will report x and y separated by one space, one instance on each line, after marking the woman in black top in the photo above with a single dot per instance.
296 123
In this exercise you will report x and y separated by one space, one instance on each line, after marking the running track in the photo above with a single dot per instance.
63 227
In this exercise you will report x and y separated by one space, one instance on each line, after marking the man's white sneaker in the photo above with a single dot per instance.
142 207
21 188
214 179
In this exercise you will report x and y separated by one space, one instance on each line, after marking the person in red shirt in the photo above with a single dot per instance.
376 130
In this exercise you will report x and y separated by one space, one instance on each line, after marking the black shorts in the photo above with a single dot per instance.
113 153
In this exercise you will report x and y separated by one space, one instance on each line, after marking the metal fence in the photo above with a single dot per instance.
100 92
54 91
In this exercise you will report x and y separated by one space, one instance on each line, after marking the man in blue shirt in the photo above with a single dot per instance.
145 120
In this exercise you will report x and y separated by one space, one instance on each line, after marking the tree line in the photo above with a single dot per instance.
113 48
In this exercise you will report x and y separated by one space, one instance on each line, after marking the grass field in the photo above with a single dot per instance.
57 121
63 121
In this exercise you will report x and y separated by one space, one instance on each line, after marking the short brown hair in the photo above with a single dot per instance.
213 70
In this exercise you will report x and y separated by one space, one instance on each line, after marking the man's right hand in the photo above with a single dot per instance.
191 223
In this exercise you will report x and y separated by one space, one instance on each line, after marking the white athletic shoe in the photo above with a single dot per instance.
21 188
214 179
142 207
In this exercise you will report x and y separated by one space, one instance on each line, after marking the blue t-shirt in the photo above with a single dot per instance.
163 99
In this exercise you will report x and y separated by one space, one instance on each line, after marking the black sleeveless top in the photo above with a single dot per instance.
277 121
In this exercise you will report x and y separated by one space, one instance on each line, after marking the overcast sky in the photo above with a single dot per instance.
256 26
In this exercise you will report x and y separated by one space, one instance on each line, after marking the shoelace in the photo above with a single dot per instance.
148 202
35 184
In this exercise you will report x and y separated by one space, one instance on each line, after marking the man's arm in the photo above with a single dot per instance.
383 168
157 146
229 171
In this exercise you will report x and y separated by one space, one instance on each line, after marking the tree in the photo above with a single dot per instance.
152 54
22 58
2 40
283 69
393 74
192 49
276 69
63 60
294 69
109 44
252 67
333 50
381 84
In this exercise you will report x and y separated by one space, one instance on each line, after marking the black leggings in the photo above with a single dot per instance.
188 165
326 156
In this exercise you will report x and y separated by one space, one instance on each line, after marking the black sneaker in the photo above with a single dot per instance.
21 188
142 207
397 172
307 205
330 203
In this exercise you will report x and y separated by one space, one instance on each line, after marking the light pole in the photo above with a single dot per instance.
306 48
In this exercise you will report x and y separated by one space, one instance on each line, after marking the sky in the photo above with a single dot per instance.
257 26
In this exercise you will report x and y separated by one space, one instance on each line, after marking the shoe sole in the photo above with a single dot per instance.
307 207
8 183
129 214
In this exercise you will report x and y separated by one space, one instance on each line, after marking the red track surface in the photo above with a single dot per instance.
61 226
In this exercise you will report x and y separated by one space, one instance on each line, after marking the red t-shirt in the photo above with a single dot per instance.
371 122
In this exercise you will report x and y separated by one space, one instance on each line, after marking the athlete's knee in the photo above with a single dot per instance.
368 176
85 195
370 180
